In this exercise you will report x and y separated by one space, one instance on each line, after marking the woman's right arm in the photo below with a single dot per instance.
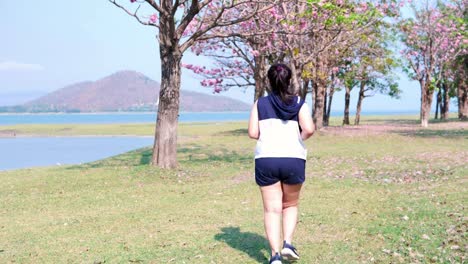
254 132
306 123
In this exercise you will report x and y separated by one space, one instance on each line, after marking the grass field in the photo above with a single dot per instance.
384 192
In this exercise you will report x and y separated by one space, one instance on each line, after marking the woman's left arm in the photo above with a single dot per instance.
254 132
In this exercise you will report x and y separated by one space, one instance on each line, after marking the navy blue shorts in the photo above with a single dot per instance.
269 171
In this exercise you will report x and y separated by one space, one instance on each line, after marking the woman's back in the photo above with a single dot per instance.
279 128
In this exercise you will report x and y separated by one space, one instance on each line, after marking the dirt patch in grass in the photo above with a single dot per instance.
392 152
422 167
364 129
8 133
436 129
243 177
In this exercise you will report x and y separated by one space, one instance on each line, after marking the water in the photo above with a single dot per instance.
116 118
125 118
25 152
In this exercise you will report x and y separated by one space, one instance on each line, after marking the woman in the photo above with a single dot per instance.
280 122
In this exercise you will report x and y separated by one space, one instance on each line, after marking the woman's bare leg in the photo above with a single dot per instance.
272 209
289 205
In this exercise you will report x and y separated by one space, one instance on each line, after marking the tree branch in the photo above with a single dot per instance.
134 14
157 7
215 23
191 13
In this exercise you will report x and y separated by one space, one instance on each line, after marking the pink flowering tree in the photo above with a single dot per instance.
462 86
321 37
431 39
310 36
453 81
269 37
370 67
239 55
179 25
338 29
235 64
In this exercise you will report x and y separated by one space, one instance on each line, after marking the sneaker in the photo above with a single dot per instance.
276 259
289 252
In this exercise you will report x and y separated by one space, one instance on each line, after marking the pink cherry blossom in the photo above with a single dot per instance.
153 18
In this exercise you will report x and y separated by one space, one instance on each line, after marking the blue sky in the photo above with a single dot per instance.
47 45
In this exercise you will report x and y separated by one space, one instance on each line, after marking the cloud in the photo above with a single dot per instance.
18 66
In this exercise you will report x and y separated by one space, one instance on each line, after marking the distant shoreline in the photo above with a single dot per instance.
336 113
128 118
111 113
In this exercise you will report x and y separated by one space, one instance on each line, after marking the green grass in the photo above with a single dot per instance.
78 129
391 197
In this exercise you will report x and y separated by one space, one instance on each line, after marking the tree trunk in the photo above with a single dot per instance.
445 102
462 97
330 100
359 103
325 104
438 104
319 88
305 89
346 107
295 77
462 88
426 101
312 98
260 77
165 142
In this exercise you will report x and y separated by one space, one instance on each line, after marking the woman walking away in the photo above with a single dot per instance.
280 122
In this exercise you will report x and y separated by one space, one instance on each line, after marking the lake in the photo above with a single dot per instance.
145 117
25 152
116 118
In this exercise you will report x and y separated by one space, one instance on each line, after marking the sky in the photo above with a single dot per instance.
47 45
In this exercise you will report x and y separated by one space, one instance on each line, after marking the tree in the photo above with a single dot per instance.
348 75
340 27
309 36
312 37
232 67
461 83
236 63
374 69
431 40
459 11
246 50
180 24
445 86
369 86
362 34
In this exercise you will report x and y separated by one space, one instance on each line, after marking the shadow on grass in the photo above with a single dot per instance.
428 133
132 158
250 243
235 132
193 153
448 120
201 154
146 156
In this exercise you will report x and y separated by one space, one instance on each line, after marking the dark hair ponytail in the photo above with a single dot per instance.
279 76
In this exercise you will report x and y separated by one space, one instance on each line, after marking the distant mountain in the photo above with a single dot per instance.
122 91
